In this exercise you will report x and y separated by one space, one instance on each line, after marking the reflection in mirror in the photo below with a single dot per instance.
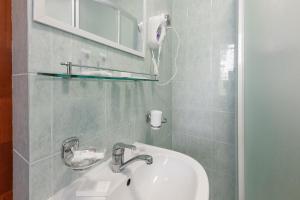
116 23
61 10
129 32
123 24
98 18
131 21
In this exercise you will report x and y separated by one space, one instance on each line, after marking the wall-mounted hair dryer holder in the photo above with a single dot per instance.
157 30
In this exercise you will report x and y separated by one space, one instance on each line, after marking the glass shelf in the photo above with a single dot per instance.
81 76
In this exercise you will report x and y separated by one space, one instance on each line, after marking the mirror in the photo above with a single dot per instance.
60 10
93 18
116 23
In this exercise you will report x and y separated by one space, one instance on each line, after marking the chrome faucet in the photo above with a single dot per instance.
118 164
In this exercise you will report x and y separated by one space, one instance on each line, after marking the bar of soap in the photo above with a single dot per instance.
80 156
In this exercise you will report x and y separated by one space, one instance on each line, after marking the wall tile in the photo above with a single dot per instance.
41 180
142 131
225 159
62 48
194 122
125 61
78 109
155 7
143 96
40 113
201 150
81 45
120 105
224 127
40 42
20 178
224 22
179 142
192 95
224 97
20 41
161 96
20 115
123 133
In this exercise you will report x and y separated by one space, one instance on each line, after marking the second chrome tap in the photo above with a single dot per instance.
118 164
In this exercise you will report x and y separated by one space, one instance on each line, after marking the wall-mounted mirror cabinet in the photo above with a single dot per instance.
115 23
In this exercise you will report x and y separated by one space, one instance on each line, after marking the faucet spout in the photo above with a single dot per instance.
148 160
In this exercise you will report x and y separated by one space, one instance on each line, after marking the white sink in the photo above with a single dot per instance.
172 176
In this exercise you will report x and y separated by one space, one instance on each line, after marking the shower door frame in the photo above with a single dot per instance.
241 99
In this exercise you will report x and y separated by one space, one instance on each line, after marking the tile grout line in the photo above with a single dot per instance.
45 158
20 155
21 74
51 135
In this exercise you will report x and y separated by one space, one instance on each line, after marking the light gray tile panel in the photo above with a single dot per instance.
225 21
224 127
225 95
142 131
20 115
225 158
20 178
162 96
62 48
40 114
120 105
41 174
192 95
78 110
40 50
19 35
201 150
81 46
179 141
123 133
194 122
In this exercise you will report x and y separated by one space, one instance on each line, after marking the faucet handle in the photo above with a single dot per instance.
123 146
119 148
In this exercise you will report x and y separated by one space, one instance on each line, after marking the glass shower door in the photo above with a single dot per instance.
272 100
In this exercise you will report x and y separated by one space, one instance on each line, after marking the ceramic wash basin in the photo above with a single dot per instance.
172 176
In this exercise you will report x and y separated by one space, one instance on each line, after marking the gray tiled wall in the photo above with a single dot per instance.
49 110
200 103
204 91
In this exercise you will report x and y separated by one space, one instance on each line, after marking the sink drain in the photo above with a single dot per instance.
128 182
